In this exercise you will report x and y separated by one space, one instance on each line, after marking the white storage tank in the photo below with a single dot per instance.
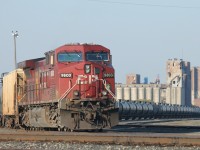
180 96
156 95
168 96
127 93
149 93
134 93
173 95
119 92
141 93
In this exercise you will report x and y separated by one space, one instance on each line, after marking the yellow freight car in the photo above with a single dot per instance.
13 90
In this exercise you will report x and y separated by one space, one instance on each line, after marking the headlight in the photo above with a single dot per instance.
76 93
87 68
104 93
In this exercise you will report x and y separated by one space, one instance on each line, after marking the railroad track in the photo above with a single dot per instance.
126 134
159 126
155 129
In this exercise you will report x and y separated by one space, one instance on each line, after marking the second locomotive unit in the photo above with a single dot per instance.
71 88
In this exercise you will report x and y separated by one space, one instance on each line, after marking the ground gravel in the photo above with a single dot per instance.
75 146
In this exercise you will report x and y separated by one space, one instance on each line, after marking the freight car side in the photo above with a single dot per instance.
151 110
12 92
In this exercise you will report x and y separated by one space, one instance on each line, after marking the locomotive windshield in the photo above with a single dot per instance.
70 57
97 56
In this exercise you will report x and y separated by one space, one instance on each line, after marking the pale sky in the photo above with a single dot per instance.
141 34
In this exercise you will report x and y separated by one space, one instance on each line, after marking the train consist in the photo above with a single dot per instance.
131 110
71 88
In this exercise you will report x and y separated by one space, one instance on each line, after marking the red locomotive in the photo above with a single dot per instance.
71 88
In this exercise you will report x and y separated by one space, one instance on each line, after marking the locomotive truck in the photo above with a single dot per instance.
71 88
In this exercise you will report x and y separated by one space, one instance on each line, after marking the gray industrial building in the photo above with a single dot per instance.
178 82
133 79
177 89
195 84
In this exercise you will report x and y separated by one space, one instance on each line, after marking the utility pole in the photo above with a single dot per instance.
15 35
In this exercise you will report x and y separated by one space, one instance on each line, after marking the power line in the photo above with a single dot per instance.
146 5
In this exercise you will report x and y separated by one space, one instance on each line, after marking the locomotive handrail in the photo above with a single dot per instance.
22 97
104 83
67 91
